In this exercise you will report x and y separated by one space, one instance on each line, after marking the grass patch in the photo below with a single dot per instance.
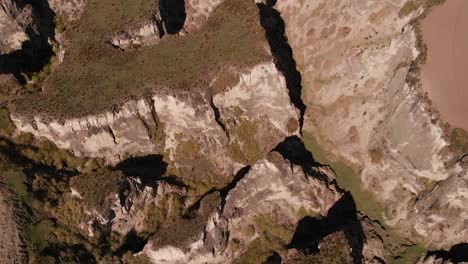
94 75
458 142
273 238
408 8
431 3
6 125
170 207
346 177
245 149
95 187
258 252
410 255
35 227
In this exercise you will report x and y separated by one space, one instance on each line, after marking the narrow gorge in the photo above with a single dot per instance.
225 131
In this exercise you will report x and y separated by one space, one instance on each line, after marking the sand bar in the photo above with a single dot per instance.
445 74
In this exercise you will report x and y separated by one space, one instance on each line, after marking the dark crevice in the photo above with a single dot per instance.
218 117
222 192
274 27
275 258
36 52
456 254
343 216
463 157
79 251
111 133
237 178
172 15
294 150
133 243
148 168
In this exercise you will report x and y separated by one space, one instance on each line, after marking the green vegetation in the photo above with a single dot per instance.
273 238
346 177
258 252
409 7
410 255
246 149
431 3
31 219
6 126
413 5
166 211
95 187
458 142
268 226
94 75
333 249
37 79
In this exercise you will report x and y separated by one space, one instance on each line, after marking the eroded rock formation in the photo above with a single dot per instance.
234 174
14 22
355 59
185 125
273 193
173 17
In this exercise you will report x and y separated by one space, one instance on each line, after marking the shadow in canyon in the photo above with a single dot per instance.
274 27
341 217
456 254
133 243
36 52
148 169
294 150
173 15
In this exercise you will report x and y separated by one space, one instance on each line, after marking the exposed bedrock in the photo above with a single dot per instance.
27 30
13 24
236 124
265 204
355 58
173 17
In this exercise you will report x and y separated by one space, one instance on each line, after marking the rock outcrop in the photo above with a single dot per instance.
67 11
355 60
264 205
225 130
14 22
127 209
172 17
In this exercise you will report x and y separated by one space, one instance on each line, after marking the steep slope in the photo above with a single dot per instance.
11 250
355 58
262 209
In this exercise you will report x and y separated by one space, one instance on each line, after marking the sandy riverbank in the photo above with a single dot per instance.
445 74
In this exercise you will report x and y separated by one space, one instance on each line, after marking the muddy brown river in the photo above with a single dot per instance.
445 74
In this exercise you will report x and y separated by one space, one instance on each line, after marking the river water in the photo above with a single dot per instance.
445 74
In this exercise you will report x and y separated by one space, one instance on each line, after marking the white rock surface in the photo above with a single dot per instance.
13 24
354 57
185 122
273 188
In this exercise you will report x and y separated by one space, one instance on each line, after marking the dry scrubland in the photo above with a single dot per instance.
94 75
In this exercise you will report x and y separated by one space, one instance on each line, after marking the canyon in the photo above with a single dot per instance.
286 131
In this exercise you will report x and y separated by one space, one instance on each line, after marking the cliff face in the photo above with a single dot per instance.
274 192
227 128
220 173
171 17
355 58
13 25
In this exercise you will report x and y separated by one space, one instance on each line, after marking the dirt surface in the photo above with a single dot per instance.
445 74
10 240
